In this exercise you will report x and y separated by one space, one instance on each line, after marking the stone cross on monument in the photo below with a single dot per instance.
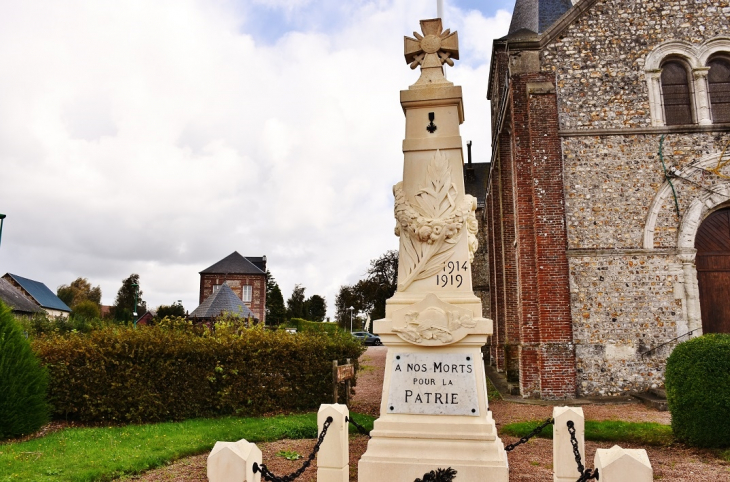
434 411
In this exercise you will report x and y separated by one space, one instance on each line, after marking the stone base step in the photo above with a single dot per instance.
654 398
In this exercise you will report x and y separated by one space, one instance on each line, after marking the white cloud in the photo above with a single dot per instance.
157 138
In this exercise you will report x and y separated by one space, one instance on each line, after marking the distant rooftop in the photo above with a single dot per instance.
234 263
15 299
537 15
224 300
40 293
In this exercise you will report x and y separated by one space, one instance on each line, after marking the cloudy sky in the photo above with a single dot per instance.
157 137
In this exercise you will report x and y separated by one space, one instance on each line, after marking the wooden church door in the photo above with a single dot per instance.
713 271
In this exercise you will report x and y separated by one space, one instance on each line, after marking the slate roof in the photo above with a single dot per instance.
40 293
537 15
234 263
223 300
15 299
476 175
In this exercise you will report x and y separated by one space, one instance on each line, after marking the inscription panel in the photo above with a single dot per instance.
428 384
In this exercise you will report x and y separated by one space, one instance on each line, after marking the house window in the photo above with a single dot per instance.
216 288
718 81
676 93
246 294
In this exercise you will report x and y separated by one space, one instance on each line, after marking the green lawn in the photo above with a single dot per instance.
646 433
99 454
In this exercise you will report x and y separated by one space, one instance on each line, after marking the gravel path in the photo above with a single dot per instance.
532 461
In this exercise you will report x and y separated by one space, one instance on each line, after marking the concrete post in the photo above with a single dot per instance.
334 454
621 465
233 462
565 469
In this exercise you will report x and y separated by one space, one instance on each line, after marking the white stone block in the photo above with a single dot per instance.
233 462
333 457
622 465
565 469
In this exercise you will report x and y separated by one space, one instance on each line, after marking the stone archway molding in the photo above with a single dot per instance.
698 208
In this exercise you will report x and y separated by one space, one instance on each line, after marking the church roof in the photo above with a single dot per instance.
224 300
15 299
537 15
40 293
234 263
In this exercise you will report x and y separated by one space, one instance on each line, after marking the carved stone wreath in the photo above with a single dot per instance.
431 229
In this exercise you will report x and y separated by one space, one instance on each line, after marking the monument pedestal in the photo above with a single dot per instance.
405 446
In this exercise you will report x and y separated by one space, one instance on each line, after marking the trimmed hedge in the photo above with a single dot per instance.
23 381
698 390
153 374
304 326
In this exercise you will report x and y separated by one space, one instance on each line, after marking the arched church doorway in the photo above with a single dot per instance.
713 271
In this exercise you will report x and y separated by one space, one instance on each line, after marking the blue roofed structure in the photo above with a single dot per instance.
537 15
40 294
224 300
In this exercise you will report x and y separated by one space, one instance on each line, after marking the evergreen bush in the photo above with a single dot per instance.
151 374
23 381
698 390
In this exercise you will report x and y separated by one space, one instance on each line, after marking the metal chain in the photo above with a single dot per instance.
585 474
266 473
359 427
527 437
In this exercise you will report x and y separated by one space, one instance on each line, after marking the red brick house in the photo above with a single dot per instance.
246 276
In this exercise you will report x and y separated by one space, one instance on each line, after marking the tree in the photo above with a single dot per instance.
295 304
382 278
315 308
78 291
369 294
124 302
275 309
175 309
86 309
23 381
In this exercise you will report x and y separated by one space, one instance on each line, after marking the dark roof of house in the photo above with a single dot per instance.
15 299
476 175
224 300
258 261
40 293
537 15
234 263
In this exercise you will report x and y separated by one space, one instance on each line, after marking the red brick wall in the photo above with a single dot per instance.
531 303
236 283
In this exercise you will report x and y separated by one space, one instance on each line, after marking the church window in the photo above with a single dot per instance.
718 81
676 95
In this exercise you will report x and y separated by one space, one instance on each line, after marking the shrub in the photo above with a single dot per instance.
698 390
154 374
304 326
23 381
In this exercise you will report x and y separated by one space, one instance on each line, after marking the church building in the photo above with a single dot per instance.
608 206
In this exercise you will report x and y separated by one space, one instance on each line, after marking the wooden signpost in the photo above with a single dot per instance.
342 373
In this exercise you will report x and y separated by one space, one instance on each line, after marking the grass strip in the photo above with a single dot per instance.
106 453
645 433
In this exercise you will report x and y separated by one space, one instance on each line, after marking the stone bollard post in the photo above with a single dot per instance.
565 469
621 465
334 454
233 462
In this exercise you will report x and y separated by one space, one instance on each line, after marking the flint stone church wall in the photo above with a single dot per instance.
625 299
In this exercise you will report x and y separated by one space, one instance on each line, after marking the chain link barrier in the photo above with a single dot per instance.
266 473
527 437
585 474
359 427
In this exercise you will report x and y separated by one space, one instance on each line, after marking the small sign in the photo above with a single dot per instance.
427 384
345 372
